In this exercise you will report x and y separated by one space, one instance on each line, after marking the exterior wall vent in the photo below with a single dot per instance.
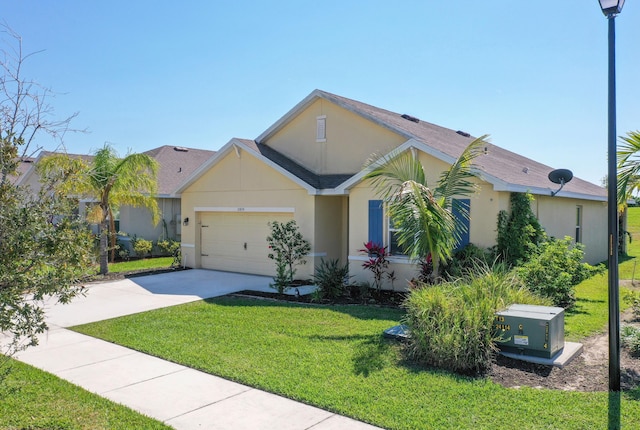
410 118
321 128
463 133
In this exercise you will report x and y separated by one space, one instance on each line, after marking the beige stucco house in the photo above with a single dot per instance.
309 166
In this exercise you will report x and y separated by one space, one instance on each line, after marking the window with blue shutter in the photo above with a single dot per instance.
460 210
375 222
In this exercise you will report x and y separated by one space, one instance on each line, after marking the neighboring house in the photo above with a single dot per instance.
176 164
309 166
23 167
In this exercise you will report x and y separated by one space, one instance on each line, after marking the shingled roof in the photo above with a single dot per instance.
176 164
506 170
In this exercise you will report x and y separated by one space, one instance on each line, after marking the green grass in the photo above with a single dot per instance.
33 399
144 264
335 358
629 267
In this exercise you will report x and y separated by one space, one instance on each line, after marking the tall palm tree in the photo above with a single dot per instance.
423 215
113 182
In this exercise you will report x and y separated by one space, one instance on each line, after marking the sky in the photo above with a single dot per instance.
142 74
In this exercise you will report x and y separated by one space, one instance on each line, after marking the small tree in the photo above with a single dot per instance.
288 248
44 250
519 232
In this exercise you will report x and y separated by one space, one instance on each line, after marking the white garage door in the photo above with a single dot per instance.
237 242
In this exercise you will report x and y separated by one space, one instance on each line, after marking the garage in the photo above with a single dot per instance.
237 241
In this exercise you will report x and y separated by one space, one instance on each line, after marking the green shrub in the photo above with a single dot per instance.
141 246
171 247
452 324
519 231
633 299
288 248
555 269
630 339
464 260
331 278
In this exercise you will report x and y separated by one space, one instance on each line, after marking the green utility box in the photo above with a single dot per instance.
531 330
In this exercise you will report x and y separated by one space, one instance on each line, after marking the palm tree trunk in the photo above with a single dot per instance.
112 236
104 245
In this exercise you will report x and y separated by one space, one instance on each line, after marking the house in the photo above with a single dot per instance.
176 163
309 167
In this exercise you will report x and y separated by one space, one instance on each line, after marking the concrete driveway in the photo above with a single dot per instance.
129 296
177 395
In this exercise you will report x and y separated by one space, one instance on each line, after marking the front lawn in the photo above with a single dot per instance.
335 358
33 399
142 264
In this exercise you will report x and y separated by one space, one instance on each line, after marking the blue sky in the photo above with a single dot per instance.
143 74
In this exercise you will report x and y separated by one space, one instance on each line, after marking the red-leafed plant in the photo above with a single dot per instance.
377 263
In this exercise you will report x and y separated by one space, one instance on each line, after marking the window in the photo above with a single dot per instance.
321 128
394 247
578 224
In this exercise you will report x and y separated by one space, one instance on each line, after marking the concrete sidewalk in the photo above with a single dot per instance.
179 396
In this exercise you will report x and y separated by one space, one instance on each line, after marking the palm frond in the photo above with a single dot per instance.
458 179
628 166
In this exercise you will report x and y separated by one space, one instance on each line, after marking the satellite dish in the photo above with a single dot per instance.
560 176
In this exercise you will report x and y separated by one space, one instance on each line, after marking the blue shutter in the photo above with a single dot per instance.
375 222
460 210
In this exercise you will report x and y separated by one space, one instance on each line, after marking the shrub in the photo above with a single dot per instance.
141 246
519 231
331 278
451 324
464 260
288 248
171 247
633 299
555 269
377 263
630 339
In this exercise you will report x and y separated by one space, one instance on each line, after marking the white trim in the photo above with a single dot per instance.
392 259
187 245
244 209
317 254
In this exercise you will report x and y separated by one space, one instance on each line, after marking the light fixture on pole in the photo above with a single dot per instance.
611 8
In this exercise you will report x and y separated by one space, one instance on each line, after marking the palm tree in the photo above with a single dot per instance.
628 167
112 182
423 215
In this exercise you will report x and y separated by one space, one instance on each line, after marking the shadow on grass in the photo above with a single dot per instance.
372 355
578 308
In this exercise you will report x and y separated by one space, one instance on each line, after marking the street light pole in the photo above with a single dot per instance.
611 8
614 294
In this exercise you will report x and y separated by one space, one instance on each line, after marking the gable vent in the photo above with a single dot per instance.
463 133
180 149
410 118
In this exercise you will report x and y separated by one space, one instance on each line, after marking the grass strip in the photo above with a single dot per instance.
33 399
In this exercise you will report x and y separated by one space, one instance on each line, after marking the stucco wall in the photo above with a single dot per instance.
557 215
350 140
138 221
243 183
